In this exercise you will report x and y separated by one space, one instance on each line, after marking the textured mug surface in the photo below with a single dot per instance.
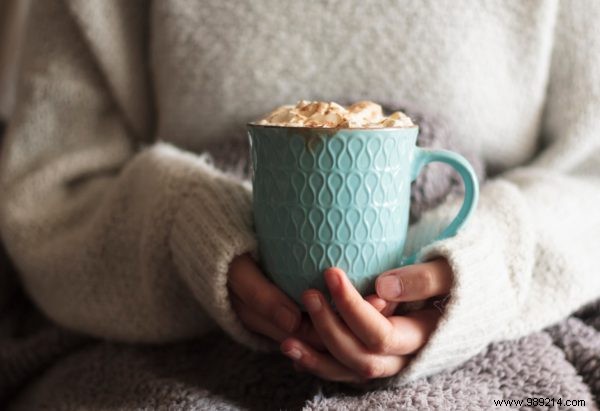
338 197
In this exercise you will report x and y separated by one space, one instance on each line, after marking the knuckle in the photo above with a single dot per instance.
426 282
381 344
373 368
308 361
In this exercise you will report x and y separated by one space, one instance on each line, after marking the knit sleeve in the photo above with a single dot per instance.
528 257
110 238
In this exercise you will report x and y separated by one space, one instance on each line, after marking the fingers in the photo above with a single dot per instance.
320 364
386 308
381 335
378 303
361 342
415 282
257 323
343 345
307 333
415 329
389 309
372 328
248 284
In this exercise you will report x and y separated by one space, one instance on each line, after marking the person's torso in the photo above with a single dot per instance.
480 66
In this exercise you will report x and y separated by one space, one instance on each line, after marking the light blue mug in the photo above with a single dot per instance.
339 197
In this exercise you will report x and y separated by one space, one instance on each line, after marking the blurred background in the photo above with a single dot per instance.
13 16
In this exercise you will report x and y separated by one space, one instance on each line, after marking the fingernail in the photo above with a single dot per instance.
294 354
388 287
286 319
312 302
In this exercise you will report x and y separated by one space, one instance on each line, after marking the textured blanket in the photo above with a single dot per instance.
561 362
45 367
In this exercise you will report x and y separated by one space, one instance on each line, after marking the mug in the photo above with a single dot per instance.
339 197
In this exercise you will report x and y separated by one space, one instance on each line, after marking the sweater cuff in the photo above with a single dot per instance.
487 288
212 225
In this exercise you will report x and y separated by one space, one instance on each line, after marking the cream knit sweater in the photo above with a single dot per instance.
122 236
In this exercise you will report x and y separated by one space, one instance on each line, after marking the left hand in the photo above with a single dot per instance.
362 342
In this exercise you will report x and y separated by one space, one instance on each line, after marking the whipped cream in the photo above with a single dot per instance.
363 114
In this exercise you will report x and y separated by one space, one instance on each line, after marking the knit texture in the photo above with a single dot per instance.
29 344
121 236
215 373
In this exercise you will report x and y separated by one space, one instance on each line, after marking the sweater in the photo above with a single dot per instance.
30 344
121 228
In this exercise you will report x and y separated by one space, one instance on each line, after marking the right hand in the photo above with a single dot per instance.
263 308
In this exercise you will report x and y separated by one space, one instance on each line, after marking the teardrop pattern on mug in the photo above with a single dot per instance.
339 201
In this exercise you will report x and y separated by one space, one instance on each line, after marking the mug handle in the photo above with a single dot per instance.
424 156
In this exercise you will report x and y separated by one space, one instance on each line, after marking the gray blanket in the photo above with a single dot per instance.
45 367
57 370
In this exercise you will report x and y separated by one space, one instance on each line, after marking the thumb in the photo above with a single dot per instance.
415 282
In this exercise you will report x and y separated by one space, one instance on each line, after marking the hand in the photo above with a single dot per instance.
361 342
262 307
